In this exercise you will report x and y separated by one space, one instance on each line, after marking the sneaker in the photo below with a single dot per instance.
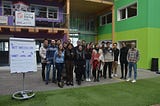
128 79
89 80
133 81
115 75
112 75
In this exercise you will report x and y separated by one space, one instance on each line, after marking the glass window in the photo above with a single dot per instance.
106 19
7 8
123 14
53 13
132 10
127 12
109 18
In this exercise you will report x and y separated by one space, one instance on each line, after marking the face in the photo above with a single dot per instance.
53 42
60 46
69 40
114 45
65 44
108 44
80 48
123 44
45 43
88 46
58 42
133 45
70 46
97 46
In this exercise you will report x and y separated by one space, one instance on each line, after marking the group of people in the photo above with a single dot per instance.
88 61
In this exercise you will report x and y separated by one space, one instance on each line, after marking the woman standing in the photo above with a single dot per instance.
95 62
69 63
88 54
79 64
59 63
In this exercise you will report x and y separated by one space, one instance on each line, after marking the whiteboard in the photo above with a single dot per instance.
22 54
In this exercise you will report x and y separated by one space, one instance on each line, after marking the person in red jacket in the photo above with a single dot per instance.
95 62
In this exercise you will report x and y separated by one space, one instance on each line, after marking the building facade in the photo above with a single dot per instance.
138 21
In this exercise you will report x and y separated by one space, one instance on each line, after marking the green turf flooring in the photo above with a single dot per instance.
142 93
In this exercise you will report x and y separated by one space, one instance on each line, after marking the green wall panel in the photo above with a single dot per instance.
105 29
139 21
87 38
105 37
140 35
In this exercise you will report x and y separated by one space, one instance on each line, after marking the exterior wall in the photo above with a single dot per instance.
60 15
87 38
144 28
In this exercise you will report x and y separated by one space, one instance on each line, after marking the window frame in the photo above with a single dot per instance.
9 2
126 11
105 15
47 10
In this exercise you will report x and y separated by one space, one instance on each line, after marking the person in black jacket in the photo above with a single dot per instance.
69 63
79 64
115 62
123 60
88 54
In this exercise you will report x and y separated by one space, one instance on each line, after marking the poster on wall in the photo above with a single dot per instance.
22 55
3 20
25 18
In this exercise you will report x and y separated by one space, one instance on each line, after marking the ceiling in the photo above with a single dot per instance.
88 8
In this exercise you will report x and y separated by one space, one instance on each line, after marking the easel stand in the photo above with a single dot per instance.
24 94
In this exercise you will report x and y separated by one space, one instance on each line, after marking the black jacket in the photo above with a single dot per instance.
123 54
116 54
88 54
69 54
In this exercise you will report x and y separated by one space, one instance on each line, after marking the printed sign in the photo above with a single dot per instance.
22 55
3 20
25 18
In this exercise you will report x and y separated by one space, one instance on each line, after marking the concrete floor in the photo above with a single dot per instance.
10 83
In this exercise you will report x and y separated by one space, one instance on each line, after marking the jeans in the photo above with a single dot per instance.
48 71
134 66
122 69
88 69
59 67
109 65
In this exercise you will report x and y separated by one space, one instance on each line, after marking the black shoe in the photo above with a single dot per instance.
67 83
79 82
53 81
110 77
97 80
46 83
121 78
71 83
104 77
125 78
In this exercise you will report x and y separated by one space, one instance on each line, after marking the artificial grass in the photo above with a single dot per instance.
142 93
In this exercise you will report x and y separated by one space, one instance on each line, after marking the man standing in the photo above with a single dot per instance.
115 62
108 59
133 57
123 60
42 53
50 60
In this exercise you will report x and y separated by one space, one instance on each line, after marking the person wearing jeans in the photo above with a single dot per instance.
88 54
50 61
132 57
59 63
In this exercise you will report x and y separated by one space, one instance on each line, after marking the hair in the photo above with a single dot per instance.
108 42
114 43
59 48
69 44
